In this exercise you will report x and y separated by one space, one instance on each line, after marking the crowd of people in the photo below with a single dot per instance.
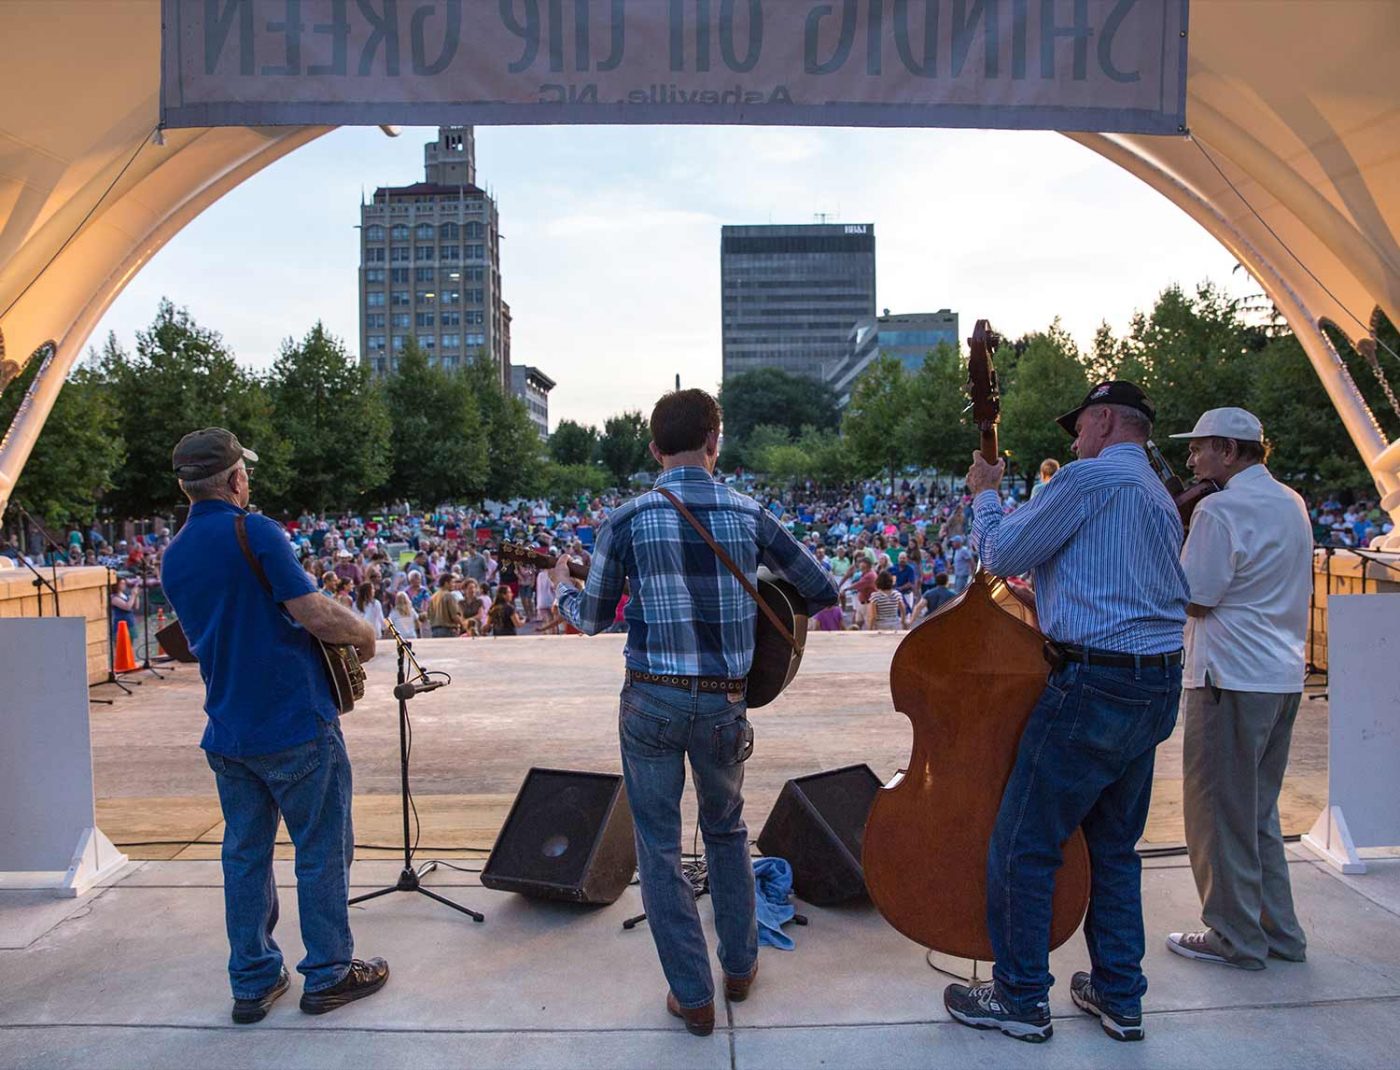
896 557
1335 524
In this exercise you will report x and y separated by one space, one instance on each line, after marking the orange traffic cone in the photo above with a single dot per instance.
124 660
160 625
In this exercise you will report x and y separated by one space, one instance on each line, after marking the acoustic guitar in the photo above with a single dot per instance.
775 660
344 672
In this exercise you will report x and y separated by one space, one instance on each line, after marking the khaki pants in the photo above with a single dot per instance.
1234 755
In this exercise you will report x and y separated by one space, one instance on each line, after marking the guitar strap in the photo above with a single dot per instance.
240 527
725 560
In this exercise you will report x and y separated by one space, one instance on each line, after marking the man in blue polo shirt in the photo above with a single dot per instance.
273 737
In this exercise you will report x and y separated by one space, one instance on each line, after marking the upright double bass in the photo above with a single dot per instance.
967 678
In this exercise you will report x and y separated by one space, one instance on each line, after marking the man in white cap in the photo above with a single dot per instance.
1248 561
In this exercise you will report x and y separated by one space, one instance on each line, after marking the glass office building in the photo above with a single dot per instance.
909 338
791 294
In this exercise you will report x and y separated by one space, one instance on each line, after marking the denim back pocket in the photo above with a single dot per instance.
1111 715
643 731
287 766
732 741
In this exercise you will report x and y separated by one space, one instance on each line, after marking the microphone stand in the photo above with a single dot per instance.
39 581
146 636
410 879
112 677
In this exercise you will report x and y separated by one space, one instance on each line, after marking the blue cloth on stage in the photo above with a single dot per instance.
772 879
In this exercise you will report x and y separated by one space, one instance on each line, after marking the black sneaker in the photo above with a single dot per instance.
361 980
980 1007
248 1011
1087 999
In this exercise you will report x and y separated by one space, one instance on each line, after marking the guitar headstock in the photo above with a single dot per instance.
515 553
982 385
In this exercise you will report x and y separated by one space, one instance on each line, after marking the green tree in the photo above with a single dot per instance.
1190 354
183 377
938 434
1312 450
771 396
573 443
828 459
566 483
623 446
1104 356
439 443
1049 381
817 455
334 421
514 452
762 439
77 454
876 421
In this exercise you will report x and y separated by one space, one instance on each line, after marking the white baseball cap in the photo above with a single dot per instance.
1227 423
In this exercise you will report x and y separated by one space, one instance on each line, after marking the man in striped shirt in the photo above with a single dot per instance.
690 644
1102 541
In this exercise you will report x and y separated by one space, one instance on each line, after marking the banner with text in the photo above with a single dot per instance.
1098 65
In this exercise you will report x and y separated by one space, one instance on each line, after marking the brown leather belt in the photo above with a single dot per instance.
687 683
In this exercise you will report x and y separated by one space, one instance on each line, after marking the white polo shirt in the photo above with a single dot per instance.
1248 558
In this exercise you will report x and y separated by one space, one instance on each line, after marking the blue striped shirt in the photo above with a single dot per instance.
1103 542
688 615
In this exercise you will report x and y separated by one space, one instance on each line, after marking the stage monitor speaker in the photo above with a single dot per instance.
818 825
568 837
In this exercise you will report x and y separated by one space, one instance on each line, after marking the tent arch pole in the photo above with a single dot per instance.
69 339
1381 460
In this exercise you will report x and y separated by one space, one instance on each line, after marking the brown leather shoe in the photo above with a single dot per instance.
698 1020
737 988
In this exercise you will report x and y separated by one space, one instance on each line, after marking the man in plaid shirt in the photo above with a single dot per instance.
689 647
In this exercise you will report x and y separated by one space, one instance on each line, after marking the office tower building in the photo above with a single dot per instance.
791 294
532 386
909 338
430 265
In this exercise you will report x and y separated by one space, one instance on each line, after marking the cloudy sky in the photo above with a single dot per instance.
611 235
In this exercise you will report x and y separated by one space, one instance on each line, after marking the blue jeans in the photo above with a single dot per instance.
309 787
1085 760
659 728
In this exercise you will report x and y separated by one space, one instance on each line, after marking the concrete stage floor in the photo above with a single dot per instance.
132 974
549 701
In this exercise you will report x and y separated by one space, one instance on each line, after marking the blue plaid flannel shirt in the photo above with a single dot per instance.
688 615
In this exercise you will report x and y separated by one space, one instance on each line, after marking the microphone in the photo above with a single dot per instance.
406 691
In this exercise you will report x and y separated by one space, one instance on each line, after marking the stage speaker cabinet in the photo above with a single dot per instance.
568 837
818 825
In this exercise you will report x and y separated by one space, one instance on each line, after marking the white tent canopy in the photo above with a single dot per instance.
1293 164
